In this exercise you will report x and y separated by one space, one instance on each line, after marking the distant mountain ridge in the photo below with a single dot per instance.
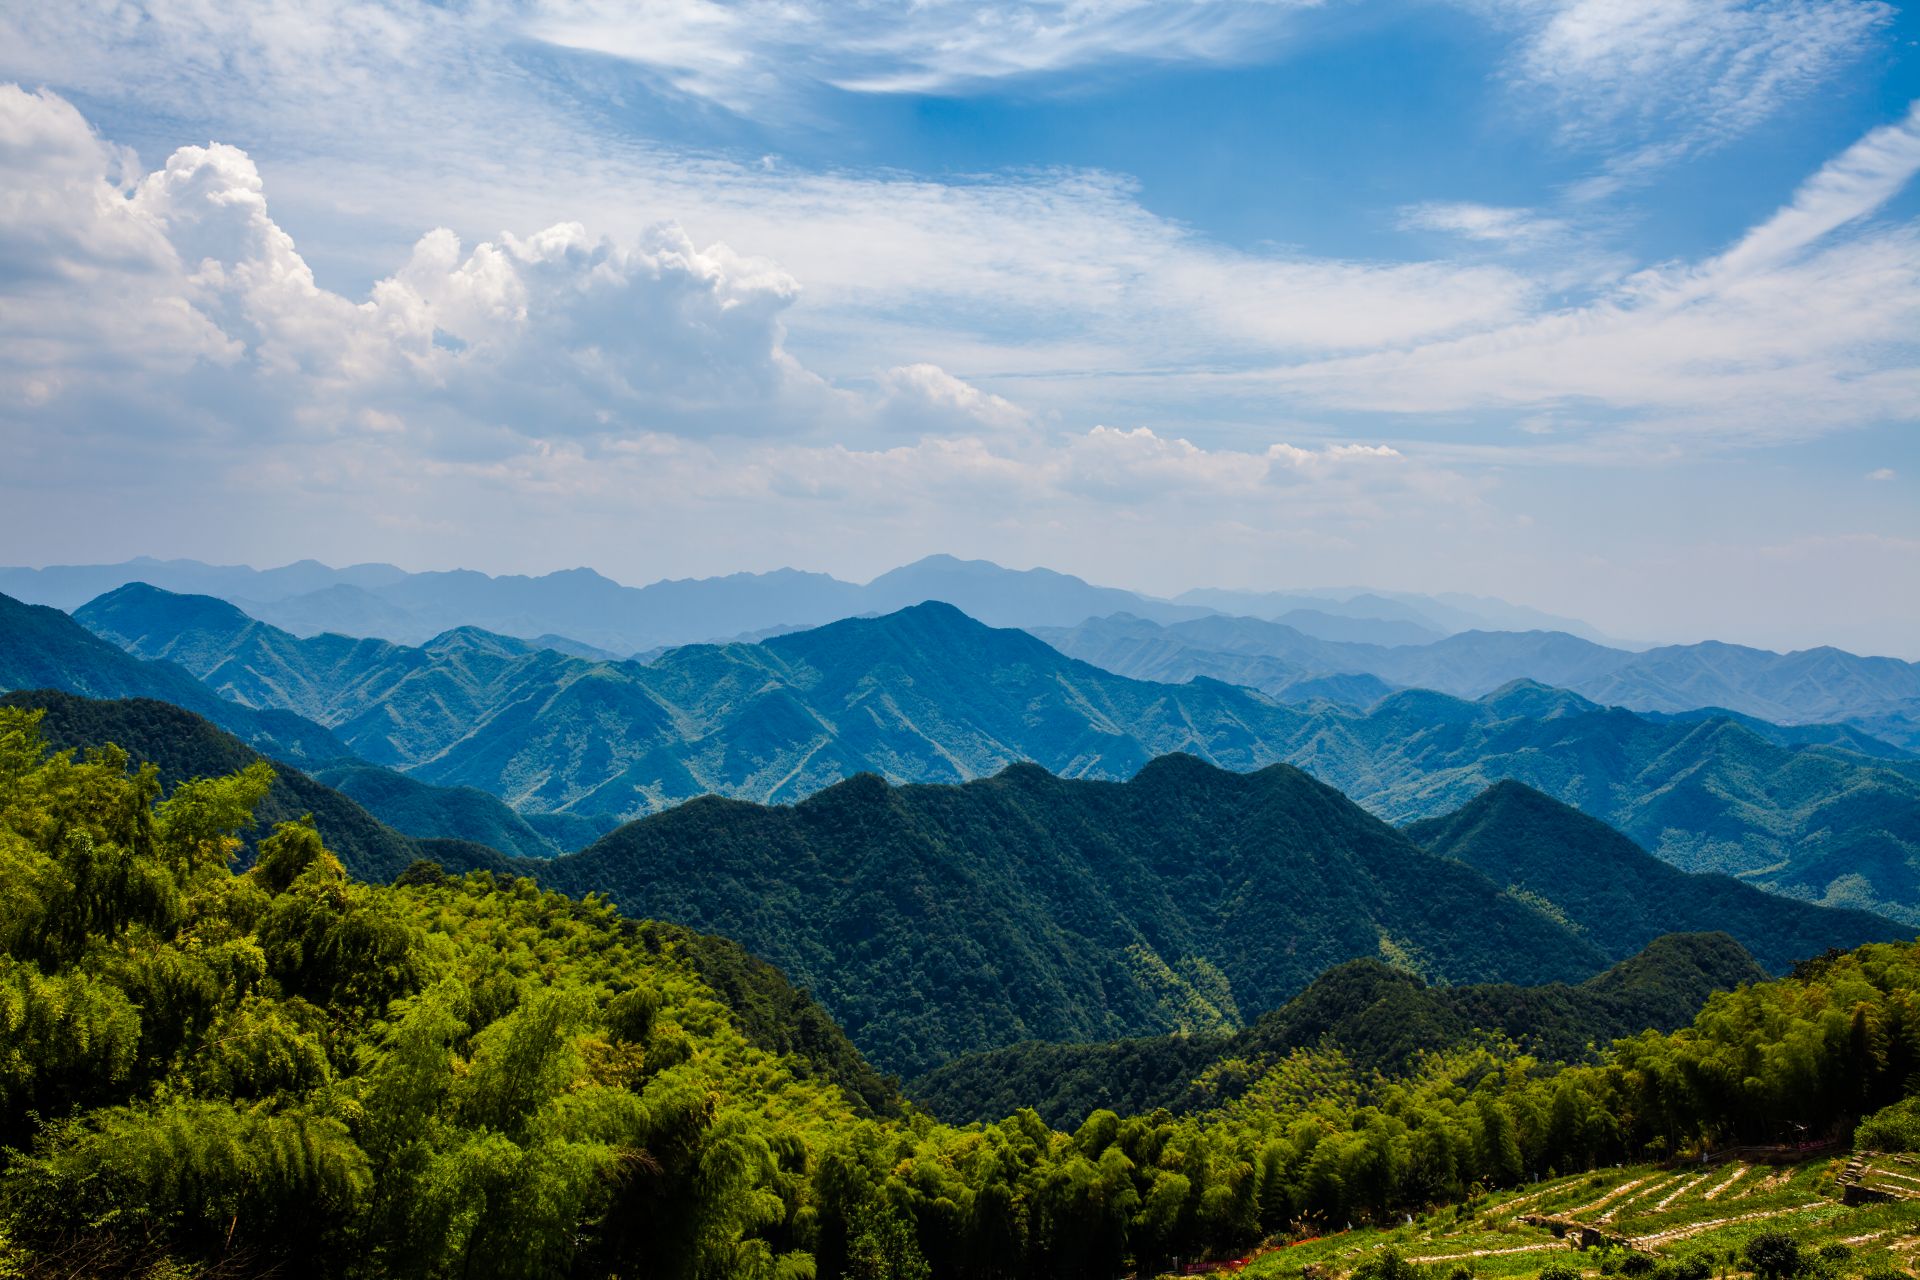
928 694
1878 696
382 601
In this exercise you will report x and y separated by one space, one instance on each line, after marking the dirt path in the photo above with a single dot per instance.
1695 1228
1491 1253
1604 1200
1686 1185
1738 1174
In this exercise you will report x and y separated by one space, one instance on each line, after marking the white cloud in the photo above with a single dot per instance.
1881 473
1794 331
1654 80
926 397
1480 221
739 52
185 271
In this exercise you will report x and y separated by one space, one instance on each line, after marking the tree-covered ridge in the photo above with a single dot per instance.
1379 1018
1614 892
284 1072
935 920
930 695
938 920
182 745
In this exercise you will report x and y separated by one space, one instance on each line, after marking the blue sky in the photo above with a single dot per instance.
1607 306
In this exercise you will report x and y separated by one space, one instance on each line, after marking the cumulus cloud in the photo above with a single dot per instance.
185 270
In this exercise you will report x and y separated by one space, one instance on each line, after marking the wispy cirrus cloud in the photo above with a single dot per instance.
737 53
1649 82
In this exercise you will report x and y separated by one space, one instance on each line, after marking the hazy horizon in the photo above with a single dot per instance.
1610 310
1340 591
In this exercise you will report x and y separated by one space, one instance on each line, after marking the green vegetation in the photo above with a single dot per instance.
936 920
1381 1019
1663 1223
284 1072
1611 890
181 745
436 813
929 695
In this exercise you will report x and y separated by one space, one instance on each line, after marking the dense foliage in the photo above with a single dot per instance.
284 1070
929 695
1381 1019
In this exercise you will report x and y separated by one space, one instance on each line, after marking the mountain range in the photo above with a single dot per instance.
1878 696
932 920
930 695
580 610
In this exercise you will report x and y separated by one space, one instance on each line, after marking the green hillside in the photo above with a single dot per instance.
929 695
181 745
1378 1017
286 1073
1613 892
429 812
932 920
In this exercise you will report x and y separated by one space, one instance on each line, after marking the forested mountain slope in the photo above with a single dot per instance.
928 694
933 920
1616 893
1379 1017
284 1072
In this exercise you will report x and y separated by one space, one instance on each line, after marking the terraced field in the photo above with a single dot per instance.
1711 1211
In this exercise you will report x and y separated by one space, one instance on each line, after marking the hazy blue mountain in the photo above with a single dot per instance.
1443 614
934 920
1876 695
342 608
1322 625
383 602
67 587
928 694
43 648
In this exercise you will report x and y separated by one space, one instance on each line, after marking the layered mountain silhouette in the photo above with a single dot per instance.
932 695
1380 1017
43 648
1878 696
928 694
386 602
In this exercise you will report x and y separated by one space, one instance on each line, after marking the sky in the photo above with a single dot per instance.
1608 307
